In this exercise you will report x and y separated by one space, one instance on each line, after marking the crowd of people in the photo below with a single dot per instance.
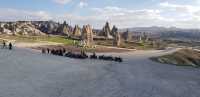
5 46
81 55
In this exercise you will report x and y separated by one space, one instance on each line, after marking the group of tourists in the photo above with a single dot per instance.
81 55
5 46
110 58
58 52
107 58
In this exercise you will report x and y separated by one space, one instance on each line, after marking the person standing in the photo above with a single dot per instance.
48 50
43 51
10 46
4 44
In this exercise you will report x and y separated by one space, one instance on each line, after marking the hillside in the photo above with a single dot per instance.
19 28
56 28
167 33
183 57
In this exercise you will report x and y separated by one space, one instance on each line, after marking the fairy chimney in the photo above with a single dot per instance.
117 37
87 35
77 31
106 31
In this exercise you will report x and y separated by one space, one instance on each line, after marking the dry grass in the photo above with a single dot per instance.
128 45
184 57
36 39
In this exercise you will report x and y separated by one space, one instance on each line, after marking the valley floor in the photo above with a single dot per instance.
25 73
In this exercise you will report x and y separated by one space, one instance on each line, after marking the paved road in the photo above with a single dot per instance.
24 73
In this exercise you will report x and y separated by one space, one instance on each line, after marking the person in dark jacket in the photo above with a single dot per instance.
48 50
4 44
10 46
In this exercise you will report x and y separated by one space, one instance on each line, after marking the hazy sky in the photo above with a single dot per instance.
123 13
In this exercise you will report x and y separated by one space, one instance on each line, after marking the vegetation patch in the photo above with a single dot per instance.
34 39
183 57
128 45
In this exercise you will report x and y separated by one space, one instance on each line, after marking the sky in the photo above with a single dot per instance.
122 13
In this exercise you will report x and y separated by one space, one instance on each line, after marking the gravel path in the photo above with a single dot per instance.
24 73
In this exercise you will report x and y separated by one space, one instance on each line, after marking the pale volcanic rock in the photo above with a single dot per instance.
77 31
117 36
106 31
87 35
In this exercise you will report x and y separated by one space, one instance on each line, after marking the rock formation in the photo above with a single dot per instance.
114 30
127 36
19 28
27 29
77 31
48 27
64 29
143 37
117 37
87 36
4 29
51 27
106 31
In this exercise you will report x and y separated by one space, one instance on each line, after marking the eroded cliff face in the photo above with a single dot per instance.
19 28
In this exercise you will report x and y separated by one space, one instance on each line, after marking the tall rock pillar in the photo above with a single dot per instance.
87 35
117 37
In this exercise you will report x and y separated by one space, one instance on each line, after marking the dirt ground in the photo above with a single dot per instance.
98 49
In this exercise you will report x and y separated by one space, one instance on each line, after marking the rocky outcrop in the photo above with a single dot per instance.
114 30
5 31
117 37
64 29
144 37
77 31
7 28
51 27
106 31
127 36
87 36
27 29
48 27
19 28
183 57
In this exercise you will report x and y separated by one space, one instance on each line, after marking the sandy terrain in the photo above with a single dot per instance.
24 73
53 45
29 45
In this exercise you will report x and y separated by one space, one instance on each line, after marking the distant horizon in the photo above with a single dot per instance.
103 25
123 14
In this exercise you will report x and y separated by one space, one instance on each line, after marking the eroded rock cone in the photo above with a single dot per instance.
106 31
87 35
64 29
114 30
77 31
127 36
117 37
